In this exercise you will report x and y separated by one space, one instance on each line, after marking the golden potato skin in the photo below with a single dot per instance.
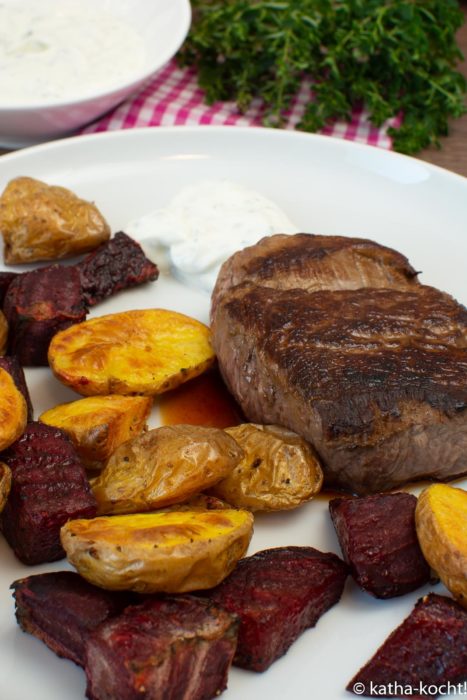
441 522
134 352
164 466
44 222
3 333
97 425
279 471
13 411
169 552
5 484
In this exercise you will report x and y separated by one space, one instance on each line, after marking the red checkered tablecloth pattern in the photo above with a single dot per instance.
173 97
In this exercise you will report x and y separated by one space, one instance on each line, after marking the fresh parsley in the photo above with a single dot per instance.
392 56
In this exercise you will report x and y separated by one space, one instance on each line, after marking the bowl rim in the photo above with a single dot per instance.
137 78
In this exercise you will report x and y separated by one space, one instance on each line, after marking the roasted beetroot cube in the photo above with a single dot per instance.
378 540
49 487
62 609
37 305
278 593
171 648
428 649
5 280
11 364
117 264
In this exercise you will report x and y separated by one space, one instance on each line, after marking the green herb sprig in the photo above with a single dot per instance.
392 56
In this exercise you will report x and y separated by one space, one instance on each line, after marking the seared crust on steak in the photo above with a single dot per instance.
312 262
375 379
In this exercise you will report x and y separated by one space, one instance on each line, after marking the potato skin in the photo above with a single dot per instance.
164 466
97 425
44 222
169 552
5 484
441 522
3 333
134 352
13 410
279 471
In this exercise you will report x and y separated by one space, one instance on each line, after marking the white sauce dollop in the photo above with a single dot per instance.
203 225
62 51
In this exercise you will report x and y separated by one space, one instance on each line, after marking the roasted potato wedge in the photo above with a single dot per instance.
5 484
171 552
279 471
164 466
13 410
133 352
441 522
43 222
97 425
3 333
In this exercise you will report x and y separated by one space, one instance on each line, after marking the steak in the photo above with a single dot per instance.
374 377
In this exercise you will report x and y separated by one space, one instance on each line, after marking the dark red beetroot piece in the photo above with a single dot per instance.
49 487
11 364
117 264
37 305
173 648
278 593
378 540
62 609
5 280
428 648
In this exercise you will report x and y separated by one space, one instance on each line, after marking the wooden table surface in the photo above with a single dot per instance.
453 152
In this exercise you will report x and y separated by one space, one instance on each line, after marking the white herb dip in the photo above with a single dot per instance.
203 225
59 51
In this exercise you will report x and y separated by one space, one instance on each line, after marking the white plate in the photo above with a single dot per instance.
326 186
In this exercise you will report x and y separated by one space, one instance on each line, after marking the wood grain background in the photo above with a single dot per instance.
453 152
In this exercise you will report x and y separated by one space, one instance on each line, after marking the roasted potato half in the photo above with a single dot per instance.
279 471
441 522
164 466
3 333
44 222
97 425
5 484
133 352
13 410
170 552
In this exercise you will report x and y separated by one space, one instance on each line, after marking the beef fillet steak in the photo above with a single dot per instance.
375 378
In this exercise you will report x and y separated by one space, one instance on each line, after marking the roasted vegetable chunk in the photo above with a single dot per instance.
5 484
428 649
62 609
6 278
171 648
171 552
378 540
49 487
3 333
13 410
11 364
133 352
278 594
279 470
44 222
37 305
441 519
118 264
97 425
164 466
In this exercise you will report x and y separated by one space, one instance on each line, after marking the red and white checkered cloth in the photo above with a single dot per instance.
173 97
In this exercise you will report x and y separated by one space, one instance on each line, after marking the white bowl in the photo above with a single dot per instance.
163 26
